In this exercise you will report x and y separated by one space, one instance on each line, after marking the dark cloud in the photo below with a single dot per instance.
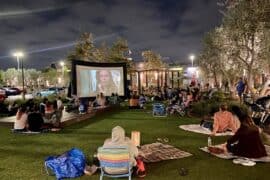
172 28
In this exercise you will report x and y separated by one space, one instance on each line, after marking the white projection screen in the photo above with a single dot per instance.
99 78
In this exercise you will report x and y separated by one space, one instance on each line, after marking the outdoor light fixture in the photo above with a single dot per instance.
62 63
192 57
19 55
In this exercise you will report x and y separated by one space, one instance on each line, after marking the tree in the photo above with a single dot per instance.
86 51
241 45
101 53
119 52
50 75
209 59
265 51
32 76
83 49
152 60
12 77
244 23
1 77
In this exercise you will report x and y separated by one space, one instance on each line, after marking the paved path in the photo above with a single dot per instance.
16 97
66 116
67 119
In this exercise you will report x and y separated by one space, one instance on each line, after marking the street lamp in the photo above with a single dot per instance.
192 57
19 55
62 63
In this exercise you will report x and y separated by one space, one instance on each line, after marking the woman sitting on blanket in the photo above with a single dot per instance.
20 123
223 121
246 142
119 139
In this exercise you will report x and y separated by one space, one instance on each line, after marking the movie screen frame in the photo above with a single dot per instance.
106 66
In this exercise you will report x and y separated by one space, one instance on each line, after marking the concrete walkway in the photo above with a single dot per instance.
65 117
68 118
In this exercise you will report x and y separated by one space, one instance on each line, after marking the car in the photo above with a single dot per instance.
46 92
57 89
12 91
50 91
2 94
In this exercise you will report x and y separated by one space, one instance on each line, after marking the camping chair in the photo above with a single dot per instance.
115 160
159 110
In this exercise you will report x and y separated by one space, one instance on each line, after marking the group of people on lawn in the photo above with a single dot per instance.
39 117
246 141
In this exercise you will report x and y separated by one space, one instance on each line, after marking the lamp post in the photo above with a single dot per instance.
62 63
19 55
192 57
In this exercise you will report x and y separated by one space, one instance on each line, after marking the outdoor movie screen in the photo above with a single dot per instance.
92 80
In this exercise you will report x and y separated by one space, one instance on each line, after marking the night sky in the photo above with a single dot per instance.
47 29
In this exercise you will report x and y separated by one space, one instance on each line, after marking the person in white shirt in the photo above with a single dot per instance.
20 123
59 104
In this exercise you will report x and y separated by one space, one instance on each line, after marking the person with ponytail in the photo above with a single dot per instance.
20 123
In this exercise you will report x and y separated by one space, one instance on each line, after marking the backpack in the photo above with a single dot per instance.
68 165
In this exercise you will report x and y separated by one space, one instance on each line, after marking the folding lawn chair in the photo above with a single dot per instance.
114 162
159 110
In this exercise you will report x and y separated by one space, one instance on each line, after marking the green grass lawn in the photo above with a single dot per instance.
22 156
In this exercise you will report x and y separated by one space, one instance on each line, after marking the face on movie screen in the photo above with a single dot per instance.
94 80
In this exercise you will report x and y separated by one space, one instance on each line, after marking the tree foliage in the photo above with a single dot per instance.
241 43
152 60
86 50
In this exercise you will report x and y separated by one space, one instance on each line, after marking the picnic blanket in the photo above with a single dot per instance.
199 129
25 132
228 155
156 152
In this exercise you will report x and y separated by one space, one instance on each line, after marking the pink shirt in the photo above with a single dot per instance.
224 120
20 123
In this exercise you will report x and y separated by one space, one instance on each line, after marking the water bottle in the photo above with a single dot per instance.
81 108
209 141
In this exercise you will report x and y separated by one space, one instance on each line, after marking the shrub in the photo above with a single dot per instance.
209 107
205 108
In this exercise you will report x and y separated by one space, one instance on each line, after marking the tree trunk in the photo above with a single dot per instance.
215 78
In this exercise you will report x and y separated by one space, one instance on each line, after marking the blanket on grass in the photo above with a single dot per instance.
227 155
199 129
36 132
156 152
24 132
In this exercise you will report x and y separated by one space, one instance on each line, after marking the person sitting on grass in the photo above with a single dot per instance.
20 123
118 139
142 101
100 101
246 142
112 99
223 120
134 101
35 120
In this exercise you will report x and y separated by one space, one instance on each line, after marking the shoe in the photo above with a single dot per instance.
244 162
238 161
183 171
165 140
248 162
141 174
90 170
